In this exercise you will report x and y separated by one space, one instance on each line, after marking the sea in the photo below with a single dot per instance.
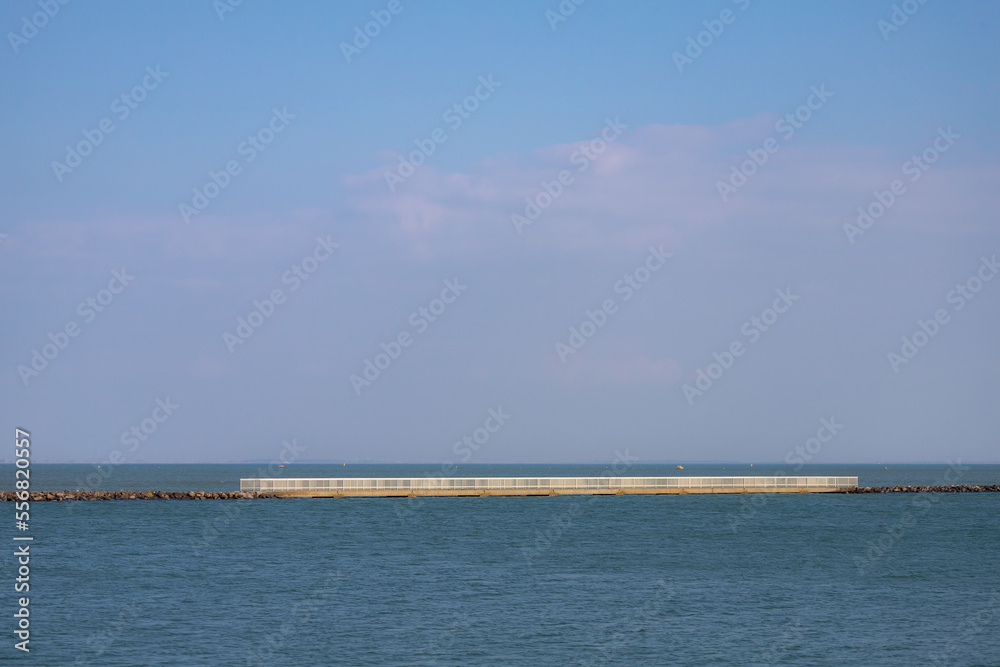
754 579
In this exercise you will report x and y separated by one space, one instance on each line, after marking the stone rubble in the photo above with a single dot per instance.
137 495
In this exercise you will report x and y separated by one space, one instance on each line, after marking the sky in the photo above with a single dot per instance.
474 232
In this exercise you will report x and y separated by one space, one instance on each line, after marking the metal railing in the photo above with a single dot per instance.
334 484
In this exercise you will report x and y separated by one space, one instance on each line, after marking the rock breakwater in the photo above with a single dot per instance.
137 495
955 488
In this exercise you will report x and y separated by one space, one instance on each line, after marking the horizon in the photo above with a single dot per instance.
516 463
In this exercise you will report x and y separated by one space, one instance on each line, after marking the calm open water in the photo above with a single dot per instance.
631 580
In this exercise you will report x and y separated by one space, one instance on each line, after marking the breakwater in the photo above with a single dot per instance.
955 488
339 487
136 495
36 496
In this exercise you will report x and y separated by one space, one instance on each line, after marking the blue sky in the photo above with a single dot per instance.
201 83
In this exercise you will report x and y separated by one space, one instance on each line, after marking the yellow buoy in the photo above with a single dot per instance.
680 467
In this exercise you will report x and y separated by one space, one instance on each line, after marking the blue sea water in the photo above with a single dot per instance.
620 580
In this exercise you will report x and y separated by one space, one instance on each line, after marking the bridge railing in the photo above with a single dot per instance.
527 483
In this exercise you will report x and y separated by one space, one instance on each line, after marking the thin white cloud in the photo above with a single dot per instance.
658 184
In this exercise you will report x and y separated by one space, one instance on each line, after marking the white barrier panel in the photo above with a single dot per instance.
500 484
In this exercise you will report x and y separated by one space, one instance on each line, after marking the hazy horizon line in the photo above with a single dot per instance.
520 463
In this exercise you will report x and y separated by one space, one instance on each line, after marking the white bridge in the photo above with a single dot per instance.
336 487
